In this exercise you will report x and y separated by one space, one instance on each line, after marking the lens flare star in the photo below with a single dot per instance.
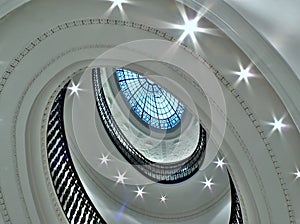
121 178
297 174
74 89
104 159
278 125
163 199
119 4
208 183
191 26
220 163
244 73
140 192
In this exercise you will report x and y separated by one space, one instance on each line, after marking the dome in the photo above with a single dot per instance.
149 112
153 104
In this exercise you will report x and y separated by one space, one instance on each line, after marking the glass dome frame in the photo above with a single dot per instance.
152 105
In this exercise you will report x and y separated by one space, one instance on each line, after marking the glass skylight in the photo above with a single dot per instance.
149 101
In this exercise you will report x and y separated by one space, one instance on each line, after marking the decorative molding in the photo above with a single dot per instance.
253 118
59 211
85 22
158 172
3 209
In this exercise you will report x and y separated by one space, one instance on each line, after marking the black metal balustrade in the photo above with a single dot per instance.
166 173
73 199
236 211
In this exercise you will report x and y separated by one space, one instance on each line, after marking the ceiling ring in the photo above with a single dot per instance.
14 63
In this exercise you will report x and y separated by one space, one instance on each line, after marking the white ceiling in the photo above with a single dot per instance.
6 6
277 21
41 18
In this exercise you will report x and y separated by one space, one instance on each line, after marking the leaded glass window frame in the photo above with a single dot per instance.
151 104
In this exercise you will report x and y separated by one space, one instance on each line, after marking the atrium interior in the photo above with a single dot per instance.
149 111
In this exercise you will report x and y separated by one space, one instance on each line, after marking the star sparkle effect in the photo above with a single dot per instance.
220 163
121 178
297 174
117 4
163 199
191 26
208 183
244 73
278 125
104 159
140 192
74 88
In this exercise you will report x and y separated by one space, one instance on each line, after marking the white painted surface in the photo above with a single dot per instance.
278 22
7 6
188 202
154 146
43 15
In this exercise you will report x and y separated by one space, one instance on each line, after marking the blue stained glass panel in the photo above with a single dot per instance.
153 104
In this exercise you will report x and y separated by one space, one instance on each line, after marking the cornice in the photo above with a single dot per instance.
86 22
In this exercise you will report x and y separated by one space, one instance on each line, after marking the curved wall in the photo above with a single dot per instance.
261 163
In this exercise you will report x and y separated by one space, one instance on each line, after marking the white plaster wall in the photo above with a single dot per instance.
277 21
250 162
7 6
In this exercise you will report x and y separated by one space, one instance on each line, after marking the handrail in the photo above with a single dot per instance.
74 201
70 192
236 216
166 173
